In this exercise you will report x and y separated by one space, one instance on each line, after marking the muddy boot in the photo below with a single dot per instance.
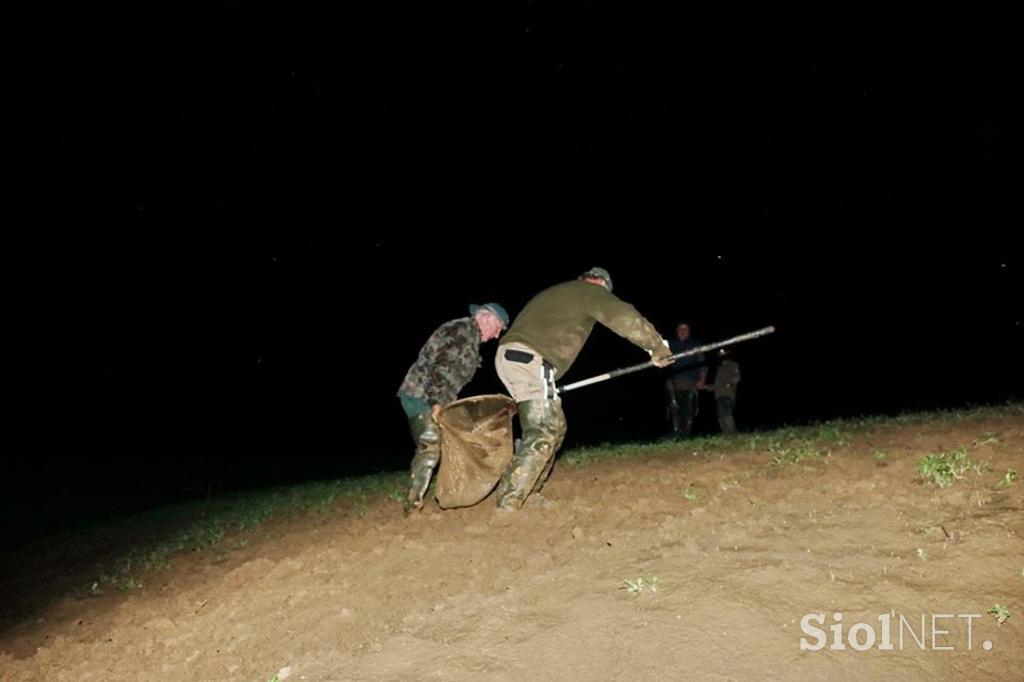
428 454
539 485
543 425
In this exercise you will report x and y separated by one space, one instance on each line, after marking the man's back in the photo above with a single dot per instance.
557 322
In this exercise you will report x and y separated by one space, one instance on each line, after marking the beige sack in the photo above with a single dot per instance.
476 446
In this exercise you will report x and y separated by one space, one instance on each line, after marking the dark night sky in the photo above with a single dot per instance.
283 204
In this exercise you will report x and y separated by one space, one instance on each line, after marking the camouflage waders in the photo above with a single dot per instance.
428 454
543 424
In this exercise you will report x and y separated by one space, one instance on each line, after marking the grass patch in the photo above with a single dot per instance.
795 452
611 451
203 525
944 468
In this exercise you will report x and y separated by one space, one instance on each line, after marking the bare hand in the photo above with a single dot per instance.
661 357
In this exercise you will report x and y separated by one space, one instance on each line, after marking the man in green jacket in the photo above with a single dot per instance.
538 349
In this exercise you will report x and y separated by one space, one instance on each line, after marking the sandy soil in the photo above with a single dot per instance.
474 594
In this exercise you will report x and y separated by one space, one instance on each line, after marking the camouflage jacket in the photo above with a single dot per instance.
447 361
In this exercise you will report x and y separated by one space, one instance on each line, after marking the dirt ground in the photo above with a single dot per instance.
741 550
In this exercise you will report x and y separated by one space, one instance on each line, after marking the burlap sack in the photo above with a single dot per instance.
476 446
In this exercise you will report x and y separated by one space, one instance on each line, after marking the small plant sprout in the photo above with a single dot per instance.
986 439
640 584
1000 612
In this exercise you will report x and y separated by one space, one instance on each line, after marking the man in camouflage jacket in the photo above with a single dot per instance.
540 347
446 363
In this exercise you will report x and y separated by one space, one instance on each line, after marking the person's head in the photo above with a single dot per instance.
491 319
683 331
598 276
